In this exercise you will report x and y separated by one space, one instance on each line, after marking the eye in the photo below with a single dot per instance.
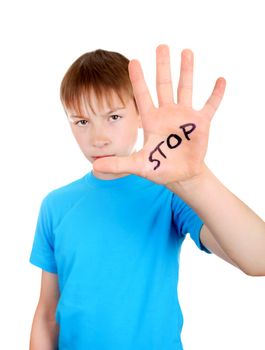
115 116
83 122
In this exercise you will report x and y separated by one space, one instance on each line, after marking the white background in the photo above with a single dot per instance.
223 308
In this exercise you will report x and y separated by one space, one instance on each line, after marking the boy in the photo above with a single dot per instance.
109 242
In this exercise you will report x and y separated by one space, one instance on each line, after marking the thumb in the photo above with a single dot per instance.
115 165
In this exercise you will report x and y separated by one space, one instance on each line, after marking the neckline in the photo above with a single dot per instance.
123 181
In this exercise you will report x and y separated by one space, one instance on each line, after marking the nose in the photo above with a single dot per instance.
99 137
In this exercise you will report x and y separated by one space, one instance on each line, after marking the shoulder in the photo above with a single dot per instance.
61 199
71 189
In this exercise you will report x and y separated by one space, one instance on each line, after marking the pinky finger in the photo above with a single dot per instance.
215 99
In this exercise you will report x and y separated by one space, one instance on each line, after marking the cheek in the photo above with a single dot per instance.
127 136
80 137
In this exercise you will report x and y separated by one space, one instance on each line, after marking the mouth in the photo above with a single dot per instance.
111 155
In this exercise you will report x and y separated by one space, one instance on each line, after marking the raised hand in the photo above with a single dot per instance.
175 135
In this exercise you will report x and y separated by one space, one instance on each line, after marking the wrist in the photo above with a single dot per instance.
191 185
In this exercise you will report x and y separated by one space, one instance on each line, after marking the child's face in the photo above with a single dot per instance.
110 130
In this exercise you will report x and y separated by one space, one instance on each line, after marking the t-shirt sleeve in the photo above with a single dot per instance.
186 220
42 253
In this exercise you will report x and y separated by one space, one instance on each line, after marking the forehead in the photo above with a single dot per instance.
91 102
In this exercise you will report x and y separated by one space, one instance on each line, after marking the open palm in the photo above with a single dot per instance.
175 135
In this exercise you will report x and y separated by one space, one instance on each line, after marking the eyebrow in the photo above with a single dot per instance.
102 115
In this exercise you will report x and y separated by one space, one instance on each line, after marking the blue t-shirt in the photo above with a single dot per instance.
115 246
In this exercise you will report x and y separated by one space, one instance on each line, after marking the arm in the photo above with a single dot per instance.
232 230
45 330
175 144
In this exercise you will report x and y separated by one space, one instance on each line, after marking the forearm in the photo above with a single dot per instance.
44 334
238 230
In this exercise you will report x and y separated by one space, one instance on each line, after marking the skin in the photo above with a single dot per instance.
95 135
114 133
231 229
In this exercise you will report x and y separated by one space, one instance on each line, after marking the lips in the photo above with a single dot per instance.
98 157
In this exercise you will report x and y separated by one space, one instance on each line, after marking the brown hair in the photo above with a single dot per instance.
103 72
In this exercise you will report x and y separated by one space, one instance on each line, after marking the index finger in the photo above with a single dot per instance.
140 89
